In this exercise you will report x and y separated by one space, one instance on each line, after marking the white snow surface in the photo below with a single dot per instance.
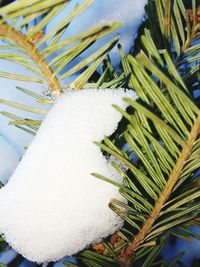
129 12
9 160
52 206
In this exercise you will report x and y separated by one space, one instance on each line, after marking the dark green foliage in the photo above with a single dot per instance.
161 129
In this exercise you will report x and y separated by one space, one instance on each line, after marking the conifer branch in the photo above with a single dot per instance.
128 253
196 25
189 41
20 39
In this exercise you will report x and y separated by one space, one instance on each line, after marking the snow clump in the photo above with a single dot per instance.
52 206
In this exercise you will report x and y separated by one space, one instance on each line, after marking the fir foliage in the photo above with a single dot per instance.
161 128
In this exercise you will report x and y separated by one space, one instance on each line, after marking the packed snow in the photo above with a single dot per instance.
9 160
52 206
130 12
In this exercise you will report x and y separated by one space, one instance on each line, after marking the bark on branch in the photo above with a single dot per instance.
129 252
20 39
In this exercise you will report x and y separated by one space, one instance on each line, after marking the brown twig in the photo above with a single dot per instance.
168 18
189 41
21 40
195 27
128 253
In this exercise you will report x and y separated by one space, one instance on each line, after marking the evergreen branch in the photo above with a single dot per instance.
163 130
128 253
23 107
16 9
33 41
20 77
7 32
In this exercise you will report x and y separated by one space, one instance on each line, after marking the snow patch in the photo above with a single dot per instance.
52 207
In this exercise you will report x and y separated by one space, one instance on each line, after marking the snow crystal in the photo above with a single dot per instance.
130 12
9 160
52 207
